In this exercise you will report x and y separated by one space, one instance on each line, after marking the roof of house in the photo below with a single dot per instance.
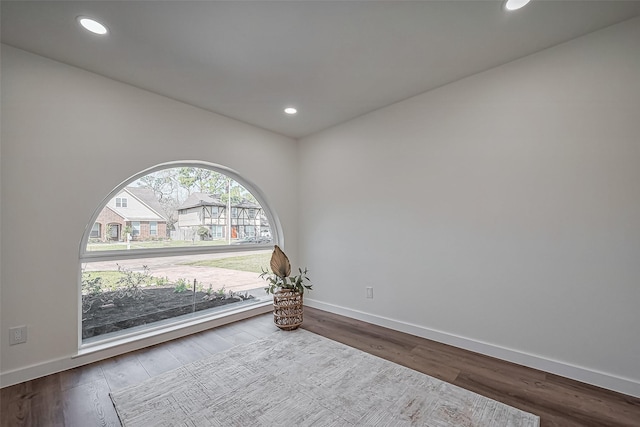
148 197
148 209
204 199
201 199
245 204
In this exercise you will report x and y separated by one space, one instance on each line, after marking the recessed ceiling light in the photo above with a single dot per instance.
92 25
515 4
290 110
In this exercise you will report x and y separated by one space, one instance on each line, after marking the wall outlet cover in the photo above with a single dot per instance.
17 335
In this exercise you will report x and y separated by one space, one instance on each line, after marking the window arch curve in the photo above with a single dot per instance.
177 241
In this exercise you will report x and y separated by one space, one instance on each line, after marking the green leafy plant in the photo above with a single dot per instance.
127 230
132 282
162 281
181 286
91 290
203 232
211 295
280 275
91 285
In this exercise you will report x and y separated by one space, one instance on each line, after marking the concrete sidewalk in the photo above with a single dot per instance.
173 269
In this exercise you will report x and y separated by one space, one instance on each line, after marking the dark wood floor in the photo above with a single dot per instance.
80 397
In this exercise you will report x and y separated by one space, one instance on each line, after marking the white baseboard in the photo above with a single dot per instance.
589 376
27 373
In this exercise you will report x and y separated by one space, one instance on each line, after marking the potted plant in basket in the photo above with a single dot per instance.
287 290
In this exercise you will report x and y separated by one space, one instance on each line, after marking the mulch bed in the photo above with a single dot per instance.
113 312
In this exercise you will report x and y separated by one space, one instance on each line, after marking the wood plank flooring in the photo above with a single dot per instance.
80 397
558 401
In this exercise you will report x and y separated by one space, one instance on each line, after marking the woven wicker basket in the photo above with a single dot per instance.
287 309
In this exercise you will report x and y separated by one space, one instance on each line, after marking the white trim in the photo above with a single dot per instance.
150 330
85 256
169 252
277 234
601 379
92 355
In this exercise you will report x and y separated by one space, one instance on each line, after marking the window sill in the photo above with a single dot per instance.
172 329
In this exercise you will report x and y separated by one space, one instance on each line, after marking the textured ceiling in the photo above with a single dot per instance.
333 60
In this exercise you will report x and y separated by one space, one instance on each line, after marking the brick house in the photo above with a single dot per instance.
134 207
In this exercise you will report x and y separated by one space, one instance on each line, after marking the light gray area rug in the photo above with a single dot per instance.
298 378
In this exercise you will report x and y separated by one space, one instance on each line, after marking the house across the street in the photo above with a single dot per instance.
135 210
207 211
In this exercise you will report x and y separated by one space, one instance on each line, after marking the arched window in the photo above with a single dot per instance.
175 242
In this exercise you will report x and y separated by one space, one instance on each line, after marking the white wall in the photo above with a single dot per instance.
69 137
500 212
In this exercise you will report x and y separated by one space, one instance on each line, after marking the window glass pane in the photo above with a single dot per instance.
127 294
95 231
183 207
113 231
204 230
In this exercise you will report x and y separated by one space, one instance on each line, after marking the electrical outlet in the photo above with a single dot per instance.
369 292
17 335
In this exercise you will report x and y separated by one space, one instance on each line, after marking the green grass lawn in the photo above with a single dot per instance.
108 279
253 263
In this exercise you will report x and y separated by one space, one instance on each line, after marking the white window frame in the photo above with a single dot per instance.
153 228
135 228
93 228
94 256
217 231
121 202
